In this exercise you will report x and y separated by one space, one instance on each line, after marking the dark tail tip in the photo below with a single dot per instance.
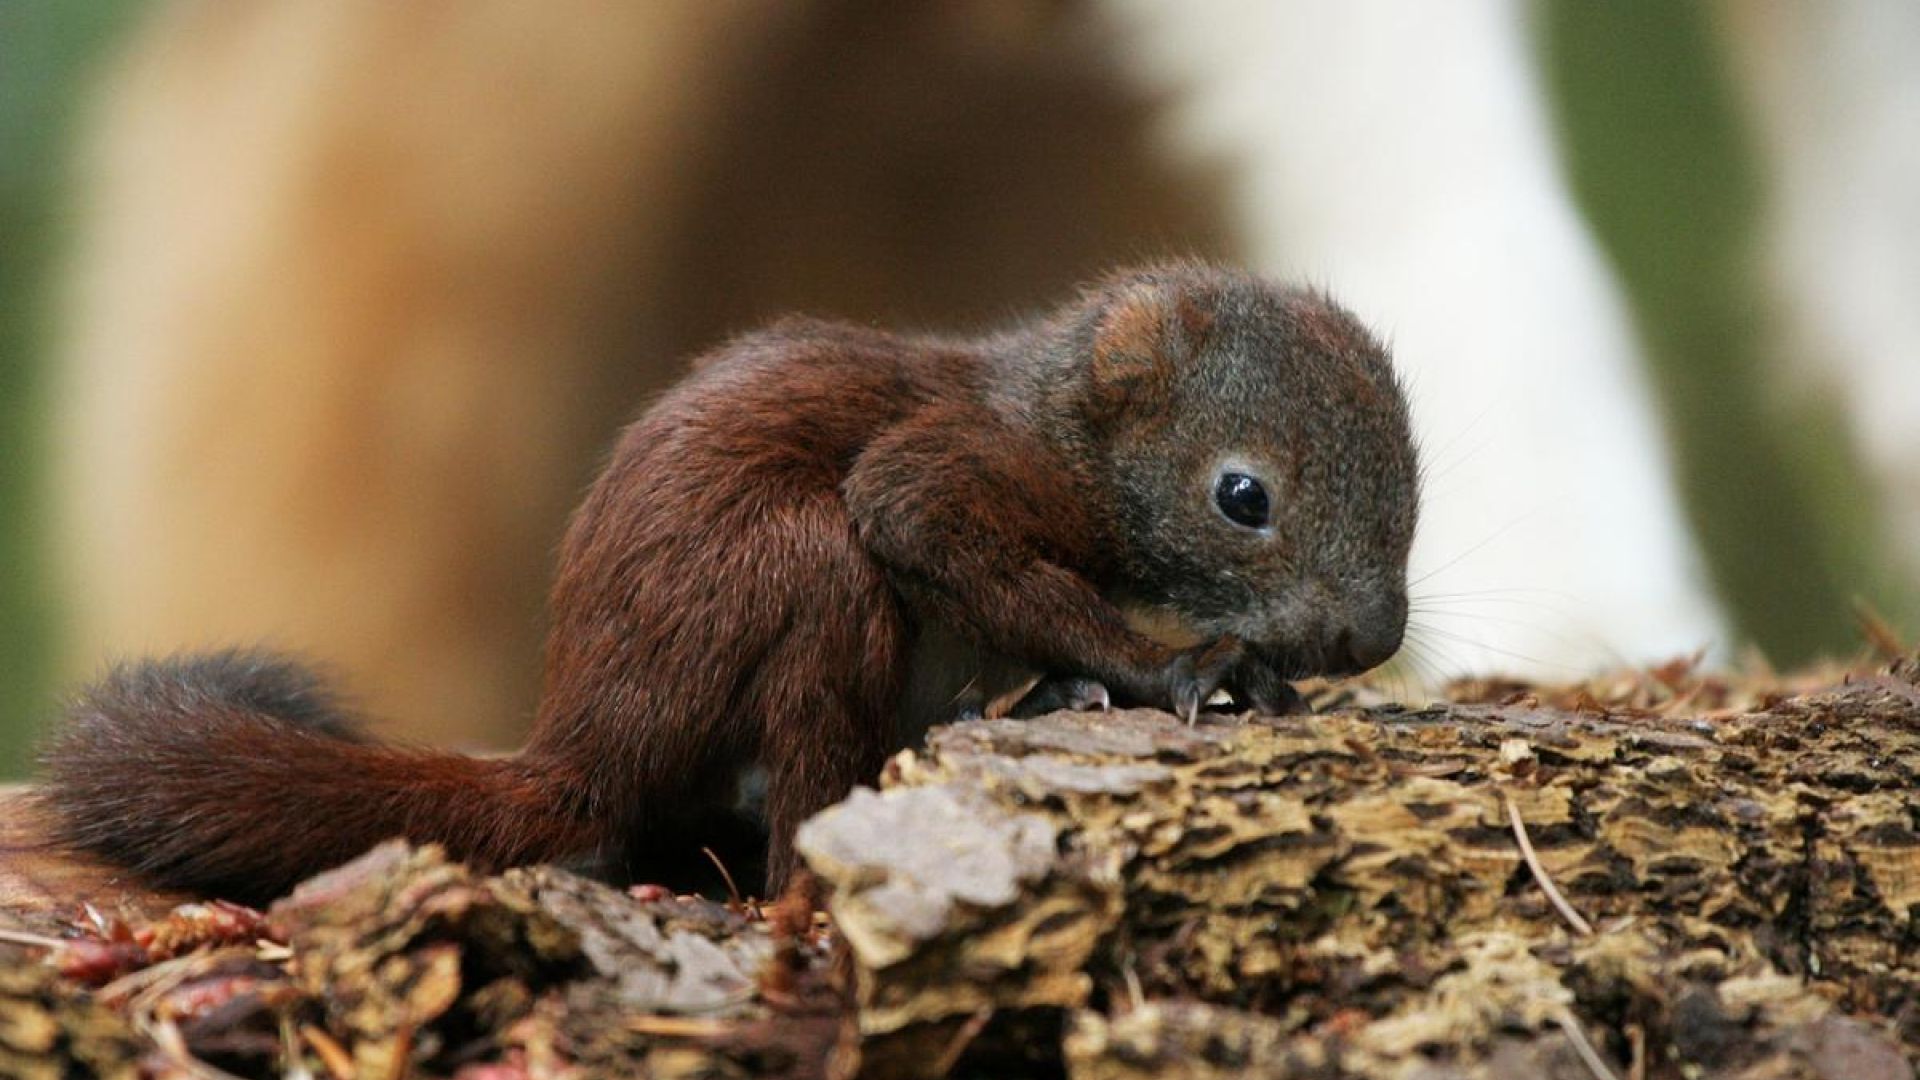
194 684
159 761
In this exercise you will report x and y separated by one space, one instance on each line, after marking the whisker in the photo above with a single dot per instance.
1524 624
1450 563
1465 610
1423 656
1510 590
1478 644
1562 603
1427 460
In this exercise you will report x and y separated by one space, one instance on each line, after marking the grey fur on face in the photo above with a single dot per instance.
1284 386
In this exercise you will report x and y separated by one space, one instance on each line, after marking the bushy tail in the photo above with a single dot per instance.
238 774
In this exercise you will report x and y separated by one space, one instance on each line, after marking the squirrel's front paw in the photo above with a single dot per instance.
1257 687
1053 693
1194 675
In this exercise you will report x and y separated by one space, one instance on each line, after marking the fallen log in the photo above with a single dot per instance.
1725 891
1659 874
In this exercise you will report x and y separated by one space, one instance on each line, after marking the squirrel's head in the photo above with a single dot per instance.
1258 451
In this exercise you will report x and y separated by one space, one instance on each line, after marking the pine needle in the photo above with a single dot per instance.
37 941
1540 872
733 891
1591 1057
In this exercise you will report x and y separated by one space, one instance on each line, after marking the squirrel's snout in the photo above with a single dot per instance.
1361 641
1351 650
1317 630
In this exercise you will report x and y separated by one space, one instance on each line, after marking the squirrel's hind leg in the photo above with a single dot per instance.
828 691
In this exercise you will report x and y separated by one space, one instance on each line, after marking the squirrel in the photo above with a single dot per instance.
783 554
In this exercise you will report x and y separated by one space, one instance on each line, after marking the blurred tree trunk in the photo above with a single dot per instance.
1660 159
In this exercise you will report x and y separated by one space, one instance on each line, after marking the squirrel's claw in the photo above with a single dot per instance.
1199 672
1054 693
1257 687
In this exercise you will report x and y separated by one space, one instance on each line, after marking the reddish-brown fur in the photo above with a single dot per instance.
744 583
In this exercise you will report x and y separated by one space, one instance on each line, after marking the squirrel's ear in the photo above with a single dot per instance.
1143 336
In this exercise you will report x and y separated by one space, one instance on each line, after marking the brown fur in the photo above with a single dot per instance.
747 579
365 288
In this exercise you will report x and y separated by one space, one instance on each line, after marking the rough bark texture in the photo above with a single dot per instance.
1123 896
403 964
1344 894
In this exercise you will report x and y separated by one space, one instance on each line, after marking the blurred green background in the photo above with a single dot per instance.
1669 180
1659 160
48 51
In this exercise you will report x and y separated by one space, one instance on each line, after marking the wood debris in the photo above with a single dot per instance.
1112 896
402 964
1343 894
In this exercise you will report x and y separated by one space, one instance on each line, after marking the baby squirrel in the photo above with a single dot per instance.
783 554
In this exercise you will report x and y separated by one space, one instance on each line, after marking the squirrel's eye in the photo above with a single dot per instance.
1242 499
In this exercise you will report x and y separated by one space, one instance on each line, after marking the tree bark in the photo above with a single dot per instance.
1722 882
1346 894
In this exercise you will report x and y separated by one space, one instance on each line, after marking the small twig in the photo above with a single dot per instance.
131 986
402 1053
968 689
101 924
167 975
1591 1057
962 1039
1637 1042
722 1003
36 941
1135 995
333 1057
1002 707
733 891
683 1026
1879 633
1540 872
166 1035
293 1062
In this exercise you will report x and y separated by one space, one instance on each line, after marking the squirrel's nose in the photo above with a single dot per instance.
1351 650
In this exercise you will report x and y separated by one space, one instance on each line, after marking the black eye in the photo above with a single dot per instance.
1242 499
